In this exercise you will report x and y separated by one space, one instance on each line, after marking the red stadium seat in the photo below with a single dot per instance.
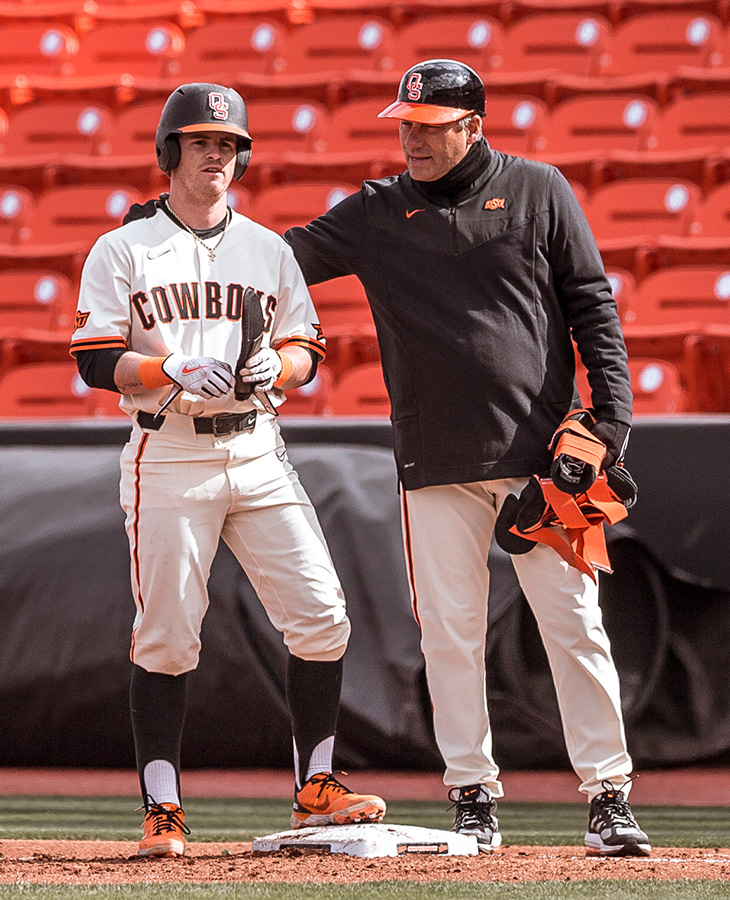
656 385
221 49
339 43
360 392
36 298
691 297
286 126
341 303
602 123
38 48
474 39
699 122
663 41
52 391
284 205
713 214
516 124
310 399
570 42
142 49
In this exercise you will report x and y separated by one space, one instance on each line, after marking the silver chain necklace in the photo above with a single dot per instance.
210 250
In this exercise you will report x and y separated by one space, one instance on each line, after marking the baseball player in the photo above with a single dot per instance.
159 321
480 267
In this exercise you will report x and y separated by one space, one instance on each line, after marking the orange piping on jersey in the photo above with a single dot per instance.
135 521
409 558
301 340
99 343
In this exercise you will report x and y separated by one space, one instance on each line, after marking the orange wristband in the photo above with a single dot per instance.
286 369
151 374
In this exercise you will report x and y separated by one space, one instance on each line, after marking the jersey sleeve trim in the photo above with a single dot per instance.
97 343
301 340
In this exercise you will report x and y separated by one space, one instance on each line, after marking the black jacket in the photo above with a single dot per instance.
474 306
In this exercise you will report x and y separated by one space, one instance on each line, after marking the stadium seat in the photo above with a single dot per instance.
713 214
36 298
656 385
53 390
310 399
285 126
240 199
220 49
142 49
515 124
360 392
283 205
473 39
16 208
692 297
698 122
571 42
623 288
661 41
338 43
38 48
341 303
625 215
602 123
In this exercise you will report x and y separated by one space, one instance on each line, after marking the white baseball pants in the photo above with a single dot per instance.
447 532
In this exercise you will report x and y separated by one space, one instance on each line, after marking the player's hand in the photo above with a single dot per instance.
615 435
201 375
144 210
262 369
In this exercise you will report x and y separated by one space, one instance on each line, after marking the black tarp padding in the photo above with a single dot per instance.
67 611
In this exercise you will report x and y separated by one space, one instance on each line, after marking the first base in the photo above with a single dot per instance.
371 840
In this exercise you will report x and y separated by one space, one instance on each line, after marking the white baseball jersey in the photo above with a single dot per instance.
170 297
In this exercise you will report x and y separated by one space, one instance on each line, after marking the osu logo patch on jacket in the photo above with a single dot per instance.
495 203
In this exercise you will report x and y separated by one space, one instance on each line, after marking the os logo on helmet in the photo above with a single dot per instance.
217 102
415 86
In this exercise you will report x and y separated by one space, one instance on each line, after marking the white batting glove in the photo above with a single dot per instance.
201 375
262 369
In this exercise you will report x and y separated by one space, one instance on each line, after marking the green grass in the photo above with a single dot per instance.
114 818
381 890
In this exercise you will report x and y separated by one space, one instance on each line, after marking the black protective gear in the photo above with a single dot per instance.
202 107
615 435
437 91
144 210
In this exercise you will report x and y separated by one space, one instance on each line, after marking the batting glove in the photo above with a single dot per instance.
262 369
201 375
615 435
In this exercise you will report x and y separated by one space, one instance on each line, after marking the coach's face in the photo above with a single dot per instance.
207 163
433 150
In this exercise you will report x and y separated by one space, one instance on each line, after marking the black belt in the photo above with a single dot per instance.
225 423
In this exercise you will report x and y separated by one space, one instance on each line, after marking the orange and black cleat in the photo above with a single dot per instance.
164 831
323 800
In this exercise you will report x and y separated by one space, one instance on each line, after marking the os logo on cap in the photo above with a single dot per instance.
415 86
217 102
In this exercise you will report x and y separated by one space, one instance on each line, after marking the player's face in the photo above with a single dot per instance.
207 162
433 150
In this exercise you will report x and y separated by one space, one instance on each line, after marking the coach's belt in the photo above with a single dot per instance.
225 423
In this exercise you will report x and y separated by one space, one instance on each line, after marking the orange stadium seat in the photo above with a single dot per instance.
16 208
339 43
142 49
38 48
656 385
662 41
571 42
471 38
713 214
286 126
52 390
516 124
310 399
341 303
601 123
360 392
221 49
692 297
699 122
37 299
283 205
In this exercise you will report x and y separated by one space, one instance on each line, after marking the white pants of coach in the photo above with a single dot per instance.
448 531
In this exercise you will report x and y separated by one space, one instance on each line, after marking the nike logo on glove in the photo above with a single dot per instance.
186 370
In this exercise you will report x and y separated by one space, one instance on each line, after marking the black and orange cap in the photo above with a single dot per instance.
437 91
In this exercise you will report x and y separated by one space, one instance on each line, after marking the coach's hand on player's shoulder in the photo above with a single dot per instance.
144 210
262 369
201 375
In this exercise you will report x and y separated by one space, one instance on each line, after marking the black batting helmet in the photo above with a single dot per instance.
437 91
202 107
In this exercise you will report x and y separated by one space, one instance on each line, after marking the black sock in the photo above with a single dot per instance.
157 705
313 693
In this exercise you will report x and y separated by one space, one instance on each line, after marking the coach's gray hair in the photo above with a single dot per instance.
463 123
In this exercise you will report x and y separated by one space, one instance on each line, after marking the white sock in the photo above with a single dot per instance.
160 781
320 760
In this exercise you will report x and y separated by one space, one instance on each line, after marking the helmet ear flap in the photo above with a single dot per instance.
168 153
243 158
